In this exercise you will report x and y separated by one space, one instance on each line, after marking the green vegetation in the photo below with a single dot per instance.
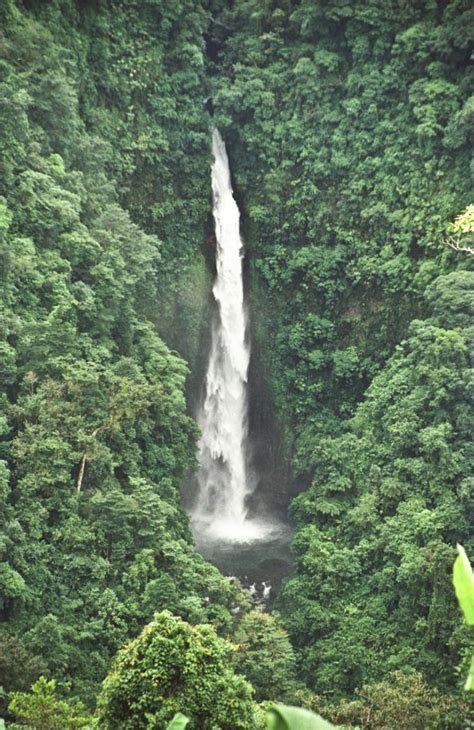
282 717
95 438
462 231
265 656
349 129
403 700
174 667
348 125
463 579
179 722
388 501
42 710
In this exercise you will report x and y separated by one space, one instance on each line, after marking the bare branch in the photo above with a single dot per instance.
80 476
82 468
456 245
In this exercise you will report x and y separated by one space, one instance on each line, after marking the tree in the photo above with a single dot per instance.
388 501
462 231
175 667
19 668
41 709
97 230
406 702
265 656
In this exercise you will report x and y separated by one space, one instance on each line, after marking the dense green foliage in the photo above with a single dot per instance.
94 434
348 125
403 701
41 709
349 129
265 656
388 501
174 667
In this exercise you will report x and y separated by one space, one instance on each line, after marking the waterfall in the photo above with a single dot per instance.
224 477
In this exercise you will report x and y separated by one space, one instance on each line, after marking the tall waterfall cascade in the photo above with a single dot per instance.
224 478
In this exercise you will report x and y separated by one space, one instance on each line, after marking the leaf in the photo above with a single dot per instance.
463 580
470 677
178 722
284 717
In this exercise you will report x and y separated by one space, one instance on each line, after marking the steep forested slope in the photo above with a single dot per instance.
349 125
349 128
94 433
389 500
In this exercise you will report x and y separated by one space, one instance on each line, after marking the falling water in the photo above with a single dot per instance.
224 477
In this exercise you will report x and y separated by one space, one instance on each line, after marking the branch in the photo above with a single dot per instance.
455 244
82 467
80 476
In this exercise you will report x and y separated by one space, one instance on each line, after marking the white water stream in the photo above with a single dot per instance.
225 479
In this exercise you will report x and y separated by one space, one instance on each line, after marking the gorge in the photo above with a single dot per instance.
275 332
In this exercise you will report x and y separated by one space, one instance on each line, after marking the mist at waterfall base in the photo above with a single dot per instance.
240 541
